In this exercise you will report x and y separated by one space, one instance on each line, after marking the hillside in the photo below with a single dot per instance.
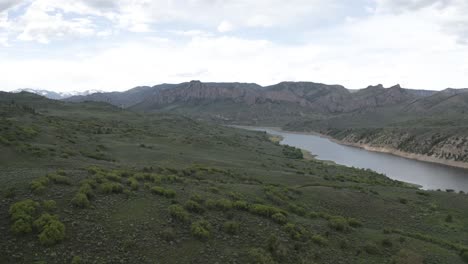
397 120
94 183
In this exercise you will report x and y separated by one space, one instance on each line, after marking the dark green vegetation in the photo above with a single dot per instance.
78 187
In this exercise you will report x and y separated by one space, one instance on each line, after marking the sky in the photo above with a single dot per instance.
114 45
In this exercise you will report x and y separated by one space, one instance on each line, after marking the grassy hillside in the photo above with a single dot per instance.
92 183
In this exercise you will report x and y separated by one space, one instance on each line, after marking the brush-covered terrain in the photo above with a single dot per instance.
92 183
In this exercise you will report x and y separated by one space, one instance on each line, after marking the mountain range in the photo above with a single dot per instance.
432 124
56 95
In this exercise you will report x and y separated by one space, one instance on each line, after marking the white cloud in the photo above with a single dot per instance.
418 43
6 4
225 26
448 15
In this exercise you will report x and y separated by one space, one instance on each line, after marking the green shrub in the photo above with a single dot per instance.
241 205
59 179
313 215
265 210
403 200
113 176
10 192
51 229
319 240
80 200
279 218
354 222
299 210
221 204
231 227
464 256
194 207
292 152
296 232
449 218
371 249
76 260
387 242
111 187
22 225
276 248
168 193
197 198
49 205
39 185
200 229
179 213
134 184
21 213
86 189
260 256
338 223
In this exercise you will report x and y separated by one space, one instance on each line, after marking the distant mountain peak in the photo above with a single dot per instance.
56 95
378 86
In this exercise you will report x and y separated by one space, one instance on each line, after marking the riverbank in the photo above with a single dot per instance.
386 150
368 147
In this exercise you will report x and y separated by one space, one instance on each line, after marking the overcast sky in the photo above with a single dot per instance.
66 45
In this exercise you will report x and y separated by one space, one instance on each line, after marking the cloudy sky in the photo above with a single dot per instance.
66 45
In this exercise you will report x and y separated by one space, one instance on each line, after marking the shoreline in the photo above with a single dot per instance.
391 151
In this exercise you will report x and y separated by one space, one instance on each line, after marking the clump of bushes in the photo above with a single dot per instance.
276 248
260 256
296 232
111 187
297 209
339 224
279 218
134 184
292 152
265 210
168 193
403 200
51 229
38 185
354 222
59 178
49 205
449 218
371 249
194 207
221 204
319 240
464 256
76 260
197 198
201 229
21 213
231 227
387 242
241 205
80 200
179 213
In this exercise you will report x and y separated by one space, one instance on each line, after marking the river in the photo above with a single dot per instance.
430 176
